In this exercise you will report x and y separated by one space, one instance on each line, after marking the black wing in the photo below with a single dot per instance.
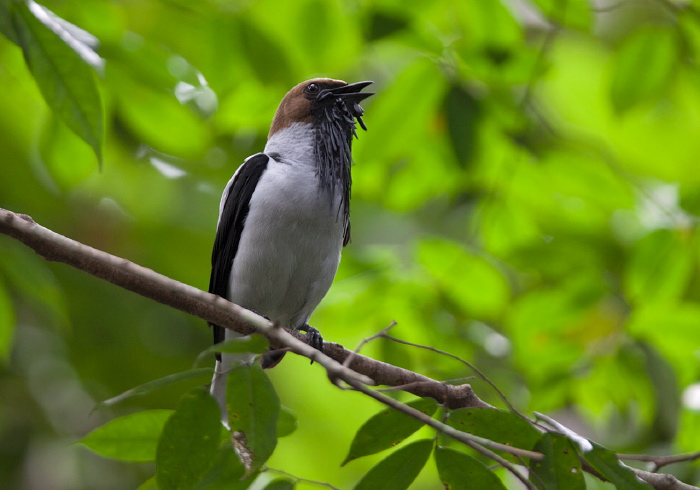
233 213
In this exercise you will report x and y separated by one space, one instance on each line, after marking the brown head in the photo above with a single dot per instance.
301 101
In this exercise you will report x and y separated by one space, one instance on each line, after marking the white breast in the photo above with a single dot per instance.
290 246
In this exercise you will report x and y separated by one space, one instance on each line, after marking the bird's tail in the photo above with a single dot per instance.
218 389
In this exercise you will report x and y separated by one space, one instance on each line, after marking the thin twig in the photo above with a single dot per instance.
470 366
660 461
418 384
366 340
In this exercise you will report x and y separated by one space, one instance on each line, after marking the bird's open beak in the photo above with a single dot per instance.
352 91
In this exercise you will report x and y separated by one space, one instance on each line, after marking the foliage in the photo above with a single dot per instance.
526 197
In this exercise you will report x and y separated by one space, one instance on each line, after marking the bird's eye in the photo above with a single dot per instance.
312 89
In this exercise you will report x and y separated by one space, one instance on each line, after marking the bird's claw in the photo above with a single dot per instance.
313 338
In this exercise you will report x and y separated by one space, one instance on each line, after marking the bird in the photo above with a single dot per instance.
284 216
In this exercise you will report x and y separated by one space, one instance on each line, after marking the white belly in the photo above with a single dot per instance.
290 246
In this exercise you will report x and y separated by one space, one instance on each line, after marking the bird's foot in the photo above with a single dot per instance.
313 337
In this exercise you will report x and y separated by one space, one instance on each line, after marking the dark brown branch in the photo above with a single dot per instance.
451 396
150 284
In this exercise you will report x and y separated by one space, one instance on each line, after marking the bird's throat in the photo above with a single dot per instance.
335 128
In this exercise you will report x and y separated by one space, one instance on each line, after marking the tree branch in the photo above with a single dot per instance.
659 481
148 283
662 481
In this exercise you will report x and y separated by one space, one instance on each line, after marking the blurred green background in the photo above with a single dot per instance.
526 198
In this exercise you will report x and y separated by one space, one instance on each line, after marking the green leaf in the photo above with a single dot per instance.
68 160
384 24
264 54
189 443
667 327
157 118
30 276
253 409
462 111
60 64
156 384
280 484
6 26
488 28
470 281
398 470
643 66
506 226
561 468
386 139
132 437
146 60
605 385
227 472
540 326
7 324
459 471
659 269
571 13
607 464
387 429
287 422
496 425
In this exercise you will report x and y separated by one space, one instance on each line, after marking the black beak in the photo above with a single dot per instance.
350 92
